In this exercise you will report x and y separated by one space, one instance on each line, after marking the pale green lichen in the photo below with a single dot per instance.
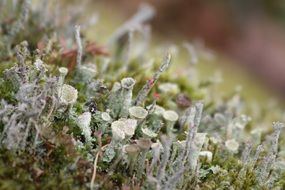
83 121
118 133
232 145
137 112
68 94
92 128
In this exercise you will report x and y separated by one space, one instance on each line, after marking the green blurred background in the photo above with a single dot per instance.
246 36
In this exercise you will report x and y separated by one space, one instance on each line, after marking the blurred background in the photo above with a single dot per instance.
247 33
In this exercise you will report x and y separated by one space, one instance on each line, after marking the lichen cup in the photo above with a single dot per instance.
170 117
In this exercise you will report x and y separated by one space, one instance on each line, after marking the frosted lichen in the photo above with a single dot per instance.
118 131
68 94
129 126
105 125
137 112
83 121
232 145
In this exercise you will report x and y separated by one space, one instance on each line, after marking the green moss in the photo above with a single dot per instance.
29 171
7 91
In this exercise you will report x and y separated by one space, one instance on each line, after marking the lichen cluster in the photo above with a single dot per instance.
82 116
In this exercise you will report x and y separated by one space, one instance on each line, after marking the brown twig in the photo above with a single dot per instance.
94 170
95 166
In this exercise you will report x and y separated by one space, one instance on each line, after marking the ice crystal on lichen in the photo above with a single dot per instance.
72 120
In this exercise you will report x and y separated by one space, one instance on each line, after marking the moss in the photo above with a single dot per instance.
31 172
118 179
7 91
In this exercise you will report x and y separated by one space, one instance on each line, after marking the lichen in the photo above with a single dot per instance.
90 118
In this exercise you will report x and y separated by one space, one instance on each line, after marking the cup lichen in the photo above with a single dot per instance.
90 129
